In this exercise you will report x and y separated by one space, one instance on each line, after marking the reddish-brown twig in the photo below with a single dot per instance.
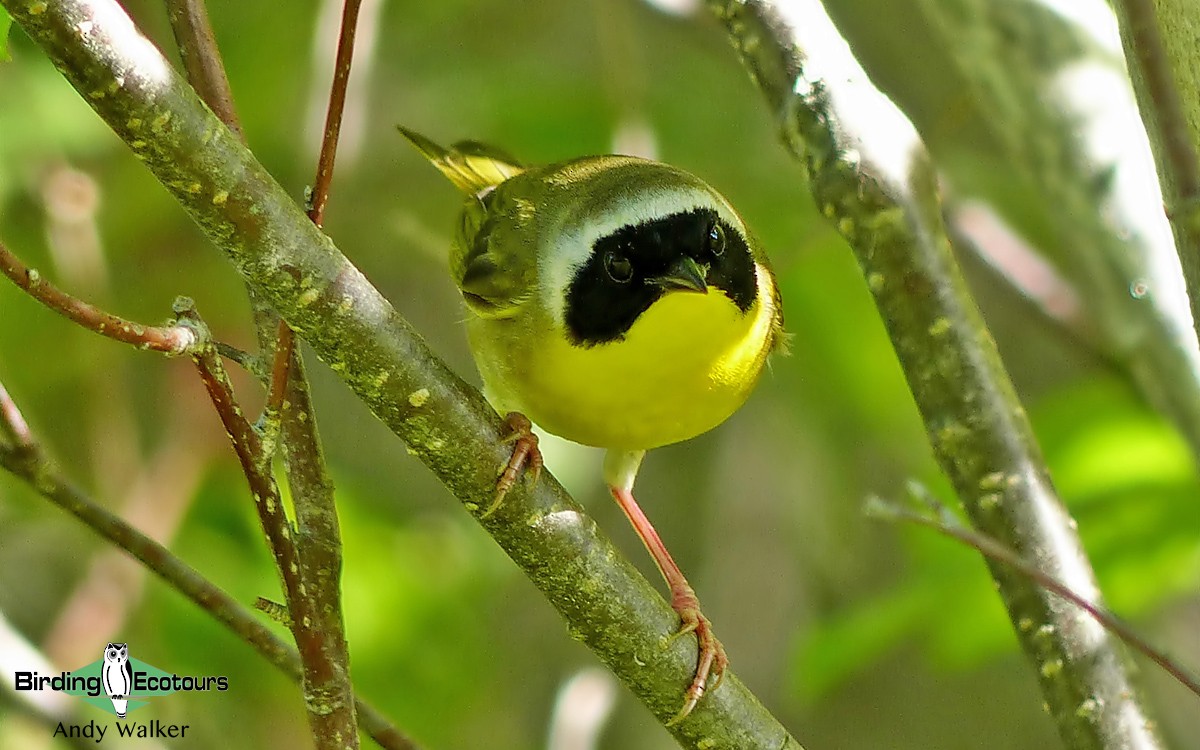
204 67
27 462
319 197
172 339
255 464
322 640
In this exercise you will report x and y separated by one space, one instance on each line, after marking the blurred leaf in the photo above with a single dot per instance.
853 640
5 23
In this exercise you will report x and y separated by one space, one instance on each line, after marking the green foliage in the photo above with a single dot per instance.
764 514
5 23
1128 480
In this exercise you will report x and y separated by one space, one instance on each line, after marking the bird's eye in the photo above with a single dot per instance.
618 266
716 239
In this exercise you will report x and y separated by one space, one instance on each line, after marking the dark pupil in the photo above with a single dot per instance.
618 267
716 239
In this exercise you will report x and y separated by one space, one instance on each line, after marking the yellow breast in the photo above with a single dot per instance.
684 367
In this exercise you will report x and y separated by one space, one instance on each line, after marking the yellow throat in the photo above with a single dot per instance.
685 366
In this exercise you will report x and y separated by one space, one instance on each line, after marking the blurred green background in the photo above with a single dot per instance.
856 634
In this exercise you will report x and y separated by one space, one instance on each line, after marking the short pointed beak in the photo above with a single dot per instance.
685 275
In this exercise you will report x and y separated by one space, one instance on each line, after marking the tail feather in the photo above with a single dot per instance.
472 166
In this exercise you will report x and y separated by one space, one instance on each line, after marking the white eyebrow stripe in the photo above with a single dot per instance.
557 266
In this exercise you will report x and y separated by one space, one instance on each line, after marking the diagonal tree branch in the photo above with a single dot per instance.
608 605
889 212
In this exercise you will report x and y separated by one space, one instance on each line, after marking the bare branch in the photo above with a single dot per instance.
201 59
328 690
28 463
333 118
169 339
319 549
12 424
319 197
330 712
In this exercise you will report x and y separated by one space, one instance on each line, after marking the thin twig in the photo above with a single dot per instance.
281 367
289 401
171 339
331 715
251 363
328 690
256 466
203 64
945 523
29 463
12 424
319 197
333 117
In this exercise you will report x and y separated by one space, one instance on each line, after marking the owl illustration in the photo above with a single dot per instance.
118 676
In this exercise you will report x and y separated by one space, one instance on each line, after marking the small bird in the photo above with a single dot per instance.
615 302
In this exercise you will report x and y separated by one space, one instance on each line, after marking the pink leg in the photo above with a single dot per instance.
711 658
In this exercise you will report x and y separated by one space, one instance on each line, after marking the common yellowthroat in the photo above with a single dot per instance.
615 302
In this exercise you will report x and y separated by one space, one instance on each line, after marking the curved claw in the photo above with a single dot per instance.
525 455
711 660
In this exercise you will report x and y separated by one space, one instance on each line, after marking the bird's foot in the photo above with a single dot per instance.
710 658
525 455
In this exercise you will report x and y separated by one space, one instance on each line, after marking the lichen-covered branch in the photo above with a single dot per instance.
980 435
607 604
1019 106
